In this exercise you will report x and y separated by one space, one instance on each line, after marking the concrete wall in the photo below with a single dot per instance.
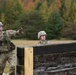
70 72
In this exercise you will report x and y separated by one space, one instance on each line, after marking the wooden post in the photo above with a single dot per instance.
28 61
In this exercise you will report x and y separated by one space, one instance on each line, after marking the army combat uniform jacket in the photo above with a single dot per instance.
5 53
43 43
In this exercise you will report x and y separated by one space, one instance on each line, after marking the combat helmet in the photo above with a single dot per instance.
41 33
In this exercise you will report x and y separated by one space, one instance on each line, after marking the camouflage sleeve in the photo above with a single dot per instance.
48 42
12 32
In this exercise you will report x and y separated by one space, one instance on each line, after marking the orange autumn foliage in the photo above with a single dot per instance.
27 5
56 4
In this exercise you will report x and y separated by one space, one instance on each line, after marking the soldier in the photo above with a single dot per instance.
6 49
42 38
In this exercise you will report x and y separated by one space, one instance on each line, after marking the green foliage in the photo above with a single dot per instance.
32 23
62 8
45 11
11 13
70 31
49 2
55 25
2 7
38 5
72 11
44 16
68 13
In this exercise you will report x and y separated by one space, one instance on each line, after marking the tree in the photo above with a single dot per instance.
45 11
38 4
32 23
70 31
55 25
69 15
10 12
2 8
49 2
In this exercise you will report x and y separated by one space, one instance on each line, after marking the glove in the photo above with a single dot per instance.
20 30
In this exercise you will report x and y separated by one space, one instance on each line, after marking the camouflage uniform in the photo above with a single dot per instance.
43 43
41 33
5 54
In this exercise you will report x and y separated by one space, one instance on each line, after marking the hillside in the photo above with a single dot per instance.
56 17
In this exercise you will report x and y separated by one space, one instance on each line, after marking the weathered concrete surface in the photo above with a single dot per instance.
67 72
51 64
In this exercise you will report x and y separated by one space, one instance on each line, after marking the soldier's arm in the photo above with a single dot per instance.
48 42
12 32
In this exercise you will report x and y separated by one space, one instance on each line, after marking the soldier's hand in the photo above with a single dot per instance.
21 30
